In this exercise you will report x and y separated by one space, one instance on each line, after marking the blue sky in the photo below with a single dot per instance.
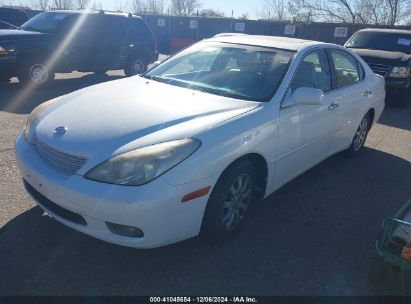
239 6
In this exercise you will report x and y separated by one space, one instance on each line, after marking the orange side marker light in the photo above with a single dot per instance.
195 194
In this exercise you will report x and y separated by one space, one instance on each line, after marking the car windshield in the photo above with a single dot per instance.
231 70
392 42
44 22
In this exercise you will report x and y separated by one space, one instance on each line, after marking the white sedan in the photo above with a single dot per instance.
187 147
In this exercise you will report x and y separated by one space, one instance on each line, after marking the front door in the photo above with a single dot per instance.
305 131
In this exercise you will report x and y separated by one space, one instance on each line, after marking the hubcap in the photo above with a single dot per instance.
138 67
237 201
39 73
360 135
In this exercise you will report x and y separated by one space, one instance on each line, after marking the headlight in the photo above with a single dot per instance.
28 130
3 51
141 166
400 72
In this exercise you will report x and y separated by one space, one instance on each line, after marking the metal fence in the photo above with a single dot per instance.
175 32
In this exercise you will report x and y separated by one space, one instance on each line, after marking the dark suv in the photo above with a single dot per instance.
388 53
11 18
84 41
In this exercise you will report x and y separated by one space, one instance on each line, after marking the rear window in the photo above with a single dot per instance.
381 41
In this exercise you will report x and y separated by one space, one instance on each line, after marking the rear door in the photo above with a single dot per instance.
81 37
115 42
348 78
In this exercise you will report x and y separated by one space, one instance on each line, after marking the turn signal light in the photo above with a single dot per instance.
196 194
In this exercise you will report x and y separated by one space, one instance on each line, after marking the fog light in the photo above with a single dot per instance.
125 230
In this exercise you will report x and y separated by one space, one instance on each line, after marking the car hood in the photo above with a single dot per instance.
115 117
382 57
13 35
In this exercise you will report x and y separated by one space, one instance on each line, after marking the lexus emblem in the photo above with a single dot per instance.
60 130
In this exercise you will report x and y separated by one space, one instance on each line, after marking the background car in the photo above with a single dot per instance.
65 41
388 53
11 18
187 147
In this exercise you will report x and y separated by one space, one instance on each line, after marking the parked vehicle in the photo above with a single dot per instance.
187 147
65 41
388 53
11 18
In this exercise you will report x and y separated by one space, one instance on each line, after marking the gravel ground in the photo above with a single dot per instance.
315 236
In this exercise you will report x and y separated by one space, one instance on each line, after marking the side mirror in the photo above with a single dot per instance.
308 96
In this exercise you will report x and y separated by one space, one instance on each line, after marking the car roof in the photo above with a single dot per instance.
265 41
392 31
91 11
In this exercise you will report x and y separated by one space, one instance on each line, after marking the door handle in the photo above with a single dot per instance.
367 93
333 106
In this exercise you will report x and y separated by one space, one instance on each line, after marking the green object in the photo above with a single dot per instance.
388 227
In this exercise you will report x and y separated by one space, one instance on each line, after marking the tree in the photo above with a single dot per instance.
63 4
274 9
155 7
184 7
389 12
41 4
211 13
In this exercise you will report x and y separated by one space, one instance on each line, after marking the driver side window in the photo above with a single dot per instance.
313 72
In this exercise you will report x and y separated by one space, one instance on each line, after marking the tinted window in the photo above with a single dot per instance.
313 72
14 17
346 68
140 28
45 22
381 41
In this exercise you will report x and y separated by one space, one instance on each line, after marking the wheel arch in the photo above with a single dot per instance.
261 166
371 111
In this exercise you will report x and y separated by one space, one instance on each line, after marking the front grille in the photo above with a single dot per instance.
380 69
64 161
54 208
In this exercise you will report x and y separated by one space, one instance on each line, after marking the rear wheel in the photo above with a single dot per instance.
229 202
360 136
34 71
135 65
100 73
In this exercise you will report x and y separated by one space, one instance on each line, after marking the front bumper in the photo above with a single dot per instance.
154 208
8 66
395 84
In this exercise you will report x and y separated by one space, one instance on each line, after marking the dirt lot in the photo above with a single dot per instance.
315 236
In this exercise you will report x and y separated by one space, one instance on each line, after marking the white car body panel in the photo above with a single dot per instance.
116 117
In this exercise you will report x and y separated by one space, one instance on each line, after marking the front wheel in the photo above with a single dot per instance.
34 71
360 136
135 65
229 202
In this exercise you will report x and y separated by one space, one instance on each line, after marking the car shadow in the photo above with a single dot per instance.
397 117
314 236
19 99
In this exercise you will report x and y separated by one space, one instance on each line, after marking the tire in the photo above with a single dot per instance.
34 71
378 269
402 98
4 79
360 136
229 202
100 73
135 65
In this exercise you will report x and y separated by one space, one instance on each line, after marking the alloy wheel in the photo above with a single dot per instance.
360 135
237 202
